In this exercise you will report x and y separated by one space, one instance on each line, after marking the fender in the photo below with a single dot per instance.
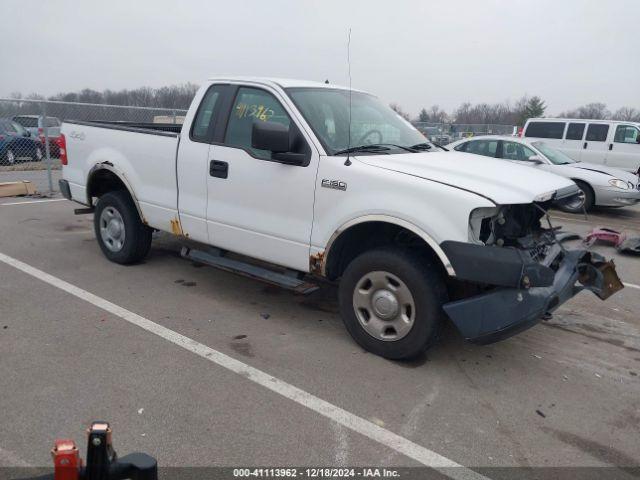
396 221
109 166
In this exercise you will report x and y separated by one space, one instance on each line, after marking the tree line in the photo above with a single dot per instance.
517 113
173 96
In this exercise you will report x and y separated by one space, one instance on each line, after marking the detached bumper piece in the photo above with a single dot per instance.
525 290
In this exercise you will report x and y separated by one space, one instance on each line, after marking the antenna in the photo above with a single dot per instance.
348 162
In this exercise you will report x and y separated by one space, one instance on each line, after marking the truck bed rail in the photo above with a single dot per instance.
164 129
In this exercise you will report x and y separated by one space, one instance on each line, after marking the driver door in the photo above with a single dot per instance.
624 150
257 206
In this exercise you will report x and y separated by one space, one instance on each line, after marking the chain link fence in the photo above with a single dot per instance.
30 129
444 133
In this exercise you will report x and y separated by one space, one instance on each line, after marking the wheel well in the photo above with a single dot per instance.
104 181
368 235
582 182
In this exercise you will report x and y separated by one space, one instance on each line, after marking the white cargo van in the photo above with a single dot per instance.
608 142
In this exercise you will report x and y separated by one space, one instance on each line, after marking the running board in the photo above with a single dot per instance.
216 258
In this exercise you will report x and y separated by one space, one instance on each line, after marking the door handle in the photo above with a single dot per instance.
611 146
218 169
585 145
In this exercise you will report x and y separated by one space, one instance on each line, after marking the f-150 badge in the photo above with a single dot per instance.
335 184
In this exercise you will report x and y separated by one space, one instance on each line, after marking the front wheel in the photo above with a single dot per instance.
10 157
581 203
391 302
122 236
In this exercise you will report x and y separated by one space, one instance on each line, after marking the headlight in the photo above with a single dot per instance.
621 184
480 224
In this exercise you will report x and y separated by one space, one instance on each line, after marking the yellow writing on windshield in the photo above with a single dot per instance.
256 111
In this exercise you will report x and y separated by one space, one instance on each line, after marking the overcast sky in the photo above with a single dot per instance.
415 53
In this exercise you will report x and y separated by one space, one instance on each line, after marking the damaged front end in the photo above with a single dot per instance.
521 271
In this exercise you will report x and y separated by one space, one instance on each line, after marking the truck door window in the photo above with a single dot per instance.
253 105
516 151
626 134
575 131
203 122
597 132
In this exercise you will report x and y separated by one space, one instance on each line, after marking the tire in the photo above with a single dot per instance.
589 199
122 236
386 268
38 155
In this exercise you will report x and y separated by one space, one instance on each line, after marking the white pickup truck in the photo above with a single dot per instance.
313 180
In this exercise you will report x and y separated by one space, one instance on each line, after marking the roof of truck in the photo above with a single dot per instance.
281 82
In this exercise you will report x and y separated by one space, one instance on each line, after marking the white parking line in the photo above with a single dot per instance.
33 201
631 285
351 421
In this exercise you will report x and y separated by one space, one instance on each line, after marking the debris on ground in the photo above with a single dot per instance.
16 189
619 240
541 413
265 315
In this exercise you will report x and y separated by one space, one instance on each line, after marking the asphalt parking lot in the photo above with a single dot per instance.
562 394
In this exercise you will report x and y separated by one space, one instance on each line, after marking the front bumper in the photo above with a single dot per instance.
506 310
614 197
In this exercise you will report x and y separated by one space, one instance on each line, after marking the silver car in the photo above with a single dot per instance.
601 185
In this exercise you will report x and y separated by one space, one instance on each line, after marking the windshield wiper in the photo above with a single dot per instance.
408 149
421 146
364 148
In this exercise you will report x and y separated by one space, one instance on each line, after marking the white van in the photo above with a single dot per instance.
608 142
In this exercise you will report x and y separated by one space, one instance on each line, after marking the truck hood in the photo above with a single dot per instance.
501 182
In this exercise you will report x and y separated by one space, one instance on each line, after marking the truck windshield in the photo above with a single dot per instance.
372 123
555 156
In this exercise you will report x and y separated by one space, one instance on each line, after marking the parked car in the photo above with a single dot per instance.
605 142
35 125
600 185
17 144
435 135
278 171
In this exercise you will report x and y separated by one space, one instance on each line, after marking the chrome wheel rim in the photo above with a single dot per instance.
112 229
11 157
384 306
577 202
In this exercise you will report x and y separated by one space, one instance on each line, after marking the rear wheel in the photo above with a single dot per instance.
38 156
391 302
122 236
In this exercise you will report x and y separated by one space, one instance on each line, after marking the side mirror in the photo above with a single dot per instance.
276 138
271 136
535 159
27 133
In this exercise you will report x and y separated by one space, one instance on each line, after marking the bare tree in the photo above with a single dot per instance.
627 114
396 108
595 111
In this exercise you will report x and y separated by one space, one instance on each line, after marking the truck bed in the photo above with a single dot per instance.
144 155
